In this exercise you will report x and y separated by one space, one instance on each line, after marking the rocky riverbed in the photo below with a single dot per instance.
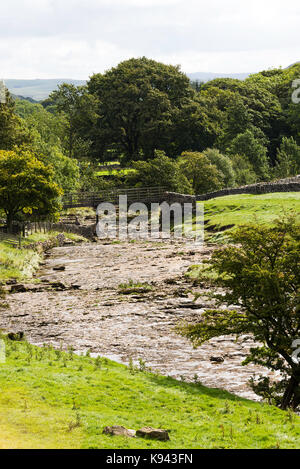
78 303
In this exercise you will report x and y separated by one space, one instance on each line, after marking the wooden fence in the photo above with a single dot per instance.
93 199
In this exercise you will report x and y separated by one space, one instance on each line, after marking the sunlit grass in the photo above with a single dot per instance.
232 211
43 393
20 264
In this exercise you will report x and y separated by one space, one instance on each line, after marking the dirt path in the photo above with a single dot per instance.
98 317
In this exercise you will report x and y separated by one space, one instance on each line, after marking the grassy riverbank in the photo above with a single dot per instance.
20 264
51 399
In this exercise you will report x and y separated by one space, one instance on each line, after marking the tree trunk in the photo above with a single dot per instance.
9 222
291 396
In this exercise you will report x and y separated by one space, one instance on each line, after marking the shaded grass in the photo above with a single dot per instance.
79 211
45 392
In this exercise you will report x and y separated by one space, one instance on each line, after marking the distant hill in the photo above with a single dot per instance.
207 76
40 89
37 89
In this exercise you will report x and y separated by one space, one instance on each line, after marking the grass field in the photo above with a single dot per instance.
225 213
22 263
114 172
55 399
52 399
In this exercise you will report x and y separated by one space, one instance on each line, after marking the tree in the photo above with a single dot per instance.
47 131
223 164
261 275
136 104
250 147
243 170
78 108
288 158
26 187
200 172
66 172
249 105
161 171
13 130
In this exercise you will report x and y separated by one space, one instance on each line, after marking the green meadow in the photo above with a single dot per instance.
55 399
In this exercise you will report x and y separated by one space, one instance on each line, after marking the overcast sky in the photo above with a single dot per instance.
75 38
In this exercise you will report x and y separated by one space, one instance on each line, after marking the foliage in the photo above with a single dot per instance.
202 174
161 171
26 187
250 148
77 107
137 104
224 165
261 276
288 158
13 130
48 133
243 171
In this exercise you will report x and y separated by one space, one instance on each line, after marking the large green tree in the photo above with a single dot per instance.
202 174
13 130
138 103
260 274
26 187
159 171
77 107
251 148
288 158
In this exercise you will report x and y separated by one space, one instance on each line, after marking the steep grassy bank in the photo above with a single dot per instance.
20 264
225 213
51 399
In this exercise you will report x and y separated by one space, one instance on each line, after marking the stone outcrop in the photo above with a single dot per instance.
117 430
153 434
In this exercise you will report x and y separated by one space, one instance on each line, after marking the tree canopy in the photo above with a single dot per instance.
260 273
26 187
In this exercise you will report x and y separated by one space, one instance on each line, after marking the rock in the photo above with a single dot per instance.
59 268
117 430
13 281
75 287
58 286
216 359
18 288
153 433
16 336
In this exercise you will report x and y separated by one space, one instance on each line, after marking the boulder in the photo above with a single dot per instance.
59 268
18 288
117 430
216 359
153 433
16 336
12 281
58 286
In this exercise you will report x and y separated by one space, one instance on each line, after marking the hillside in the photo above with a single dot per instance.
41 88
51 399
37 89
207 76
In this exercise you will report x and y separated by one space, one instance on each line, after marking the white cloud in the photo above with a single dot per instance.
72 38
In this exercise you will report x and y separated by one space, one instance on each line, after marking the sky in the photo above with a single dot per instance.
76 38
